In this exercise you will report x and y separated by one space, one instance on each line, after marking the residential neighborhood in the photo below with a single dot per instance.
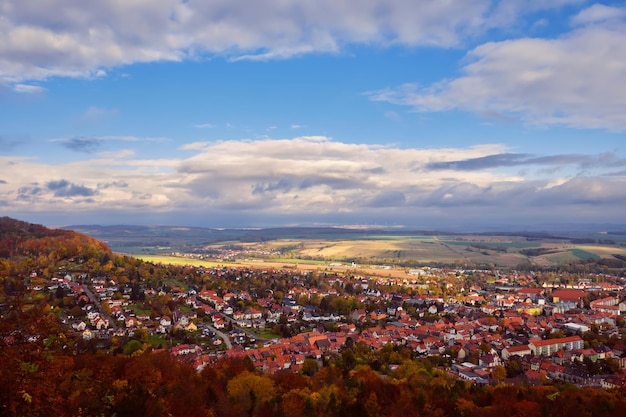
479 325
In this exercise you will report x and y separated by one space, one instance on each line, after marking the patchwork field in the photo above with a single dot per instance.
417 250
323 246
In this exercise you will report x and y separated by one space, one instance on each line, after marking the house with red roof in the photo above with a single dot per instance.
520 350
608 305
541 347
565 295
532 293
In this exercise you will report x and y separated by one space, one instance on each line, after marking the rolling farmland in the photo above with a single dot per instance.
322 246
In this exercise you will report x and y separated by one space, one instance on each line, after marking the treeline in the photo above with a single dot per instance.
538 251
499 249
47 381
585 241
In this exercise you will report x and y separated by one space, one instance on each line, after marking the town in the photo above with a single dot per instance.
485 326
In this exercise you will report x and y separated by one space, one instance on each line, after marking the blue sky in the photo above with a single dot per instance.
328 112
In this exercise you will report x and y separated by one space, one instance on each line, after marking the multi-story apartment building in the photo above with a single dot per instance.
541 347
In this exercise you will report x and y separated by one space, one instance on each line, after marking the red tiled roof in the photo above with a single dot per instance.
535 291
569 295
548 342
520 348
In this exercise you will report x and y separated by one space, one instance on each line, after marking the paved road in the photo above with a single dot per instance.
96 302
247 332
223 335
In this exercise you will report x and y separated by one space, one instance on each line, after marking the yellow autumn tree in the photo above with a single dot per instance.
248 391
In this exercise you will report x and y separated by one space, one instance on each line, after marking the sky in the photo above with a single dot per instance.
396 113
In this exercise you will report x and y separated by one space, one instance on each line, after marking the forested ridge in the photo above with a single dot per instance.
26 247
45 370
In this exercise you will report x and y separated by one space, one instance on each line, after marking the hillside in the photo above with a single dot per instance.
18 238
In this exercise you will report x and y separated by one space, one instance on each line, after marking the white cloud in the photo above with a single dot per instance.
28 89
599 13
98 114
392 115
194 146
311 178
79 39
574 80
204 126
123 153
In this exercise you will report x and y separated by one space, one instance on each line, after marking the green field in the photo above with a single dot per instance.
320 247
156 340
583 254
137 309
495 245
266 334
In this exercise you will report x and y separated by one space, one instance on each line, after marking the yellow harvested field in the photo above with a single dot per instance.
177 260
603 251
391 248
260 264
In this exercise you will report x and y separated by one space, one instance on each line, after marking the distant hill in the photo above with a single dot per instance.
120 236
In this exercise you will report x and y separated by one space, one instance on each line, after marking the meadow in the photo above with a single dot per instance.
374 251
